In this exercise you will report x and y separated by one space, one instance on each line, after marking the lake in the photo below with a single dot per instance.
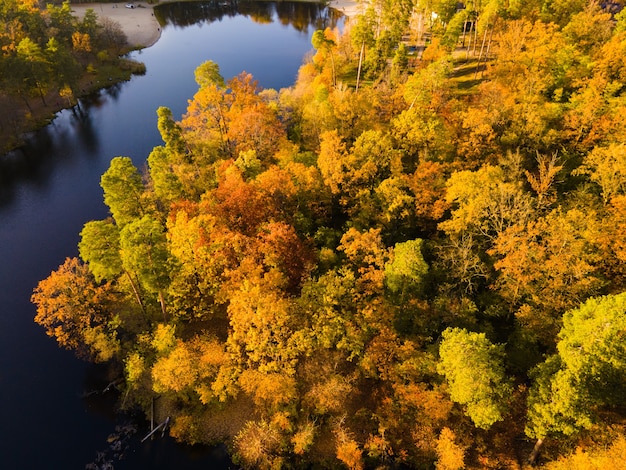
50 188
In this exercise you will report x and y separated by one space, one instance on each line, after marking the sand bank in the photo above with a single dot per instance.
350 8
141 27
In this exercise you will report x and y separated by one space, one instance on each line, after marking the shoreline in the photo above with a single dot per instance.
139 24
142 28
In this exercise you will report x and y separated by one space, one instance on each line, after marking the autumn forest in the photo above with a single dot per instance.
414 257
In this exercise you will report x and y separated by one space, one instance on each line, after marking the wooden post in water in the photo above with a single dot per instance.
162 425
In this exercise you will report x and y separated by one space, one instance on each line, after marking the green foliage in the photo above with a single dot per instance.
123 191
208 73
588 372
99 247
144 251
46 53
474 370
408 268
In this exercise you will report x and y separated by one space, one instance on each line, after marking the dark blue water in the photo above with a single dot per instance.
50 188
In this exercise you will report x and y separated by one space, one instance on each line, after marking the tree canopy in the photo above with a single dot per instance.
414 256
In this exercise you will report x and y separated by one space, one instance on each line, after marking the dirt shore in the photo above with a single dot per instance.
350 8
142 28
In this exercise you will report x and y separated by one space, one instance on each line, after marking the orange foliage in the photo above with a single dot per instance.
70 303
428 184
450 456
348 451
268 390
240 204
281 249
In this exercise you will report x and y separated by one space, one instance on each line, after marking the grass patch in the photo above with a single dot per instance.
465 76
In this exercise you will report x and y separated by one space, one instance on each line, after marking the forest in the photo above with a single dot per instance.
48 58
411 258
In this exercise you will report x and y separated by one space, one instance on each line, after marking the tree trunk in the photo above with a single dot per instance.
480 55
163 306
332 62
358 73
41 94
535 453
135 291
475 36
464 32
27 103
469 40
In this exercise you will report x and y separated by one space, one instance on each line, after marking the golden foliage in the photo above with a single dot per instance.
268 390
594 458
450 456
348 451
303 438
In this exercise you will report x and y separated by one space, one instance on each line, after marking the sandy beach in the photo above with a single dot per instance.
141 27
350 8
143 30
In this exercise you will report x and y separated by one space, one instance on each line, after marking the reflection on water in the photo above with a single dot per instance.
302 16
71 134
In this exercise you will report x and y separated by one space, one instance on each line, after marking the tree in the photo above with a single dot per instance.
99 247
589 29
123 191
256 127
89 24
561 11
167 185
62 20
240 205
348 451
450 456
205 125
258 445
37 67
587 374
323 41
63 66
428 87
208 73
78 312
144 251
407 269
262 325
196 242
111 34
362 36
474 370
189 365
597 457
485 203
549 266
171 132
606 166
355 174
